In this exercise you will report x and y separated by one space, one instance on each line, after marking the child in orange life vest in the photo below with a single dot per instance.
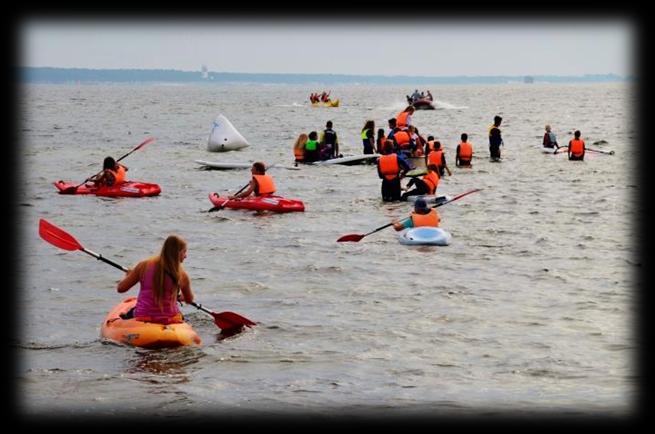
112 173
464 152
577 147
434 154
422 216
163 280
261 183
427 185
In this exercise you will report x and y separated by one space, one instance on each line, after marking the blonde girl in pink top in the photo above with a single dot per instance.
162 279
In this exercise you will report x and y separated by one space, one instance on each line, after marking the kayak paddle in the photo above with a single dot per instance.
357 237
221 206
73 189
600 151
59 238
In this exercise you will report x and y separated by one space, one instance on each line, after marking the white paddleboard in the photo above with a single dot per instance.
236 165
224 137
425 235
348 160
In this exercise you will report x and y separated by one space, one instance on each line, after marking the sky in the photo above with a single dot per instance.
358 47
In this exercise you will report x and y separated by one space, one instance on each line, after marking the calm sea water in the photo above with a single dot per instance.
531 308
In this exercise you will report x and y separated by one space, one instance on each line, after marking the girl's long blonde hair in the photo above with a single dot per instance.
168 263
300 141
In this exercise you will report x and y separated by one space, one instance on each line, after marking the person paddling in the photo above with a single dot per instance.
163 281
421 216
113 173
261 184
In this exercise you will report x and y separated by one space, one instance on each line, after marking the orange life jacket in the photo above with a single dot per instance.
119 175
299 153
389 167
465 151
431 179
402 138
430 146
265 185
576 147
401 119
430 219
435 158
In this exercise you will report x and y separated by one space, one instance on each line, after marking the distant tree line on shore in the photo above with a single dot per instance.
73 75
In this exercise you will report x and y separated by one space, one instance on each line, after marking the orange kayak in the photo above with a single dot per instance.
145 334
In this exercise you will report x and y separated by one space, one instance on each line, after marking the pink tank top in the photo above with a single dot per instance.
146 306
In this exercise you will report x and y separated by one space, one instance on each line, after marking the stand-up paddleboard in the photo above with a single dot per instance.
425 235
348 160
430 198
235 165
224 137
553 150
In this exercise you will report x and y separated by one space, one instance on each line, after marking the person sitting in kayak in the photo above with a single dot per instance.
577 147
426 185
421 216
550 141
163 282
464 152
113 173
261 184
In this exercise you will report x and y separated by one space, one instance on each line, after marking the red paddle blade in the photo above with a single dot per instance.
231 320
351 237
58 237
145 142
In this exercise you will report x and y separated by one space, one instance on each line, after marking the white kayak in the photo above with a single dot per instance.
348 160
425 235
226 165
224 137
430 198
552 150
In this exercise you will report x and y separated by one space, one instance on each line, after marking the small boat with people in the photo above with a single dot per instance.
421 100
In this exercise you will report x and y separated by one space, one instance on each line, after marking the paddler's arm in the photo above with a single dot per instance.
131 278
402 224
186 295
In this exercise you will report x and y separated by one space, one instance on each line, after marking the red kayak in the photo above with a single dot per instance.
125 189
258 203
